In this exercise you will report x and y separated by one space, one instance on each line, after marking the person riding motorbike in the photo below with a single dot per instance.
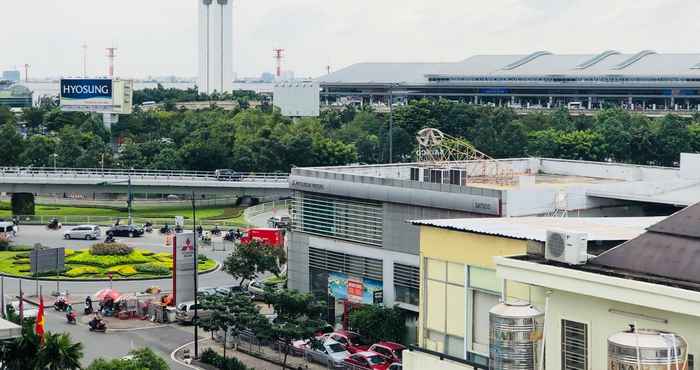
165 229
70 315
109 238
88 305
60 304
216 231
97 323
148 227
54 224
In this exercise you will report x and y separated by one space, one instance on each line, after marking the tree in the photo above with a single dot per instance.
20 353
11 144
38 152
379 323
249 260
143 359
59 353
298 317
6 116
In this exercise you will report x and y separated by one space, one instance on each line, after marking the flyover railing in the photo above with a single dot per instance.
112 173
72 220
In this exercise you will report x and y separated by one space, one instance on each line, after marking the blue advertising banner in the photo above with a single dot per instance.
358 290
86 89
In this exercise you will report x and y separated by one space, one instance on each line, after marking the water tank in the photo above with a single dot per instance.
647 349
515 336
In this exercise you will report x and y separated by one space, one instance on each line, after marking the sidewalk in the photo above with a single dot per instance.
249 360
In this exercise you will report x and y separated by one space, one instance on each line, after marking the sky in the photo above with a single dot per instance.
159 37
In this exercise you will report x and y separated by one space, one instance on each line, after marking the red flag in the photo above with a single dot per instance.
39 327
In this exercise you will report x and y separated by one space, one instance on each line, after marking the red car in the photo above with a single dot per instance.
366 360
351 340
392 351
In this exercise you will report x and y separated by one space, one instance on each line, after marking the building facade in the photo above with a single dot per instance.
15 96
215 45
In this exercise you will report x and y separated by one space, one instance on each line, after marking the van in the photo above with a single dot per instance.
87 232
185 312
7 230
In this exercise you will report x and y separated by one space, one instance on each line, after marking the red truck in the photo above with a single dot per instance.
267 236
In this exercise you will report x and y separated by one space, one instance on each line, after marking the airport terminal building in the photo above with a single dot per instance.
646 81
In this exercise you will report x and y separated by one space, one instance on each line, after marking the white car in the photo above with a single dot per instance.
87 232
328 353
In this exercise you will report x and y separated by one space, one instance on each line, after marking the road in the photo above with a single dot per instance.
113 344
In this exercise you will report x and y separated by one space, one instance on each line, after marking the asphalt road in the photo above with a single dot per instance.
113 344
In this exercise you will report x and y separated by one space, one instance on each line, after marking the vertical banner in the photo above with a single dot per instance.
183 269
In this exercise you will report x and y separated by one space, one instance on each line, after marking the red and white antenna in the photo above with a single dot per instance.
278 55
111 54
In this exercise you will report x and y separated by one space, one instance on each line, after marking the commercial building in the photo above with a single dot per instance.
352 219
650 283
645 81
15 96
12 76
215 45
458 278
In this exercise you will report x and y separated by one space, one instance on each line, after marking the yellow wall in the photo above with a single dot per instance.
467 248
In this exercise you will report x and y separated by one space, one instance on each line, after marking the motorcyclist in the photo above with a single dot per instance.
200 230
109 238
88 305
70 315
96 323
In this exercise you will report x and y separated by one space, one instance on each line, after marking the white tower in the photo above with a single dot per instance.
215 45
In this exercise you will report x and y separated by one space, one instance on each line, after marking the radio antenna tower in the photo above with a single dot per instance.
26 72
84 46
278 55
111 54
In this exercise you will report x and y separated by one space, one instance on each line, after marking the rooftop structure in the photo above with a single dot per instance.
644 80
215 45
15 96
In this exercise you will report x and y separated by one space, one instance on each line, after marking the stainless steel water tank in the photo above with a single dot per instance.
646 349
515 336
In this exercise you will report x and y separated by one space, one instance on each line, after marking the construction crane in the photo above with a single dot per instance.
278 54
438 150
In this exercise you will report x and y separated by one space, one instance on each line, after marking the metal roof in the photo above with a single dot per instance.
673 192
669 249
535 228
646 63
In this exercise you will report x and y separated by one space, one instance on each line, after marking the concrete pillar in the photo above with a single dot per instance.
551 101
629 103
590 102
388 282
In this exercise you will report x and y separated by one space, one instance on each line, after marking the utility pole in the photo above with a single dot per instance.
391 125
84 46
196 268
278 55
26 73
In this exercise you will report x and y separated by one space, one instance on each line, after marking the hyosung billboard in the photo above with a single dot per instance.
102 95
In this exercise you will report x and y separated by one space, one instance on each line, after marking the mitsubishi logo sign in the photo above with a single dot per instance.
187 246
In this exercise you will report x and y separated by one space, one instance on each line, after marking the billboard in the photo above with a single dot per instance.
47 260
183 269
101 95
356 290
297 99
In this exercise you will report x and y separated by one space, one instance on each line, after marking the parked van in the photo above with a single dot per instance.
7 230
185 312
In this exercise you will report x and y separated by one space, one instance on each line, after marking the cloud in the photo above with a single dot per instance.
158 37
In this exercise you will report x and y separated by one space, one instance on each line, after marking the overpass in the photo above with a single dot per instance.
96 180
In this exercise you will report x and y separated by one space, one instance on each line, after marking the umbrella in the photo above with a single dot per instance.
107 293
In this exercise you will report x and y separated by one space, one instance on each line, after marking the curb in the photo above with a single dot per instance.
177 360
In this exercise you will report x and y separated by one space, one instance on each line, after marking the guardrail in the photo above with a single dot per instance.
266 207
71 220
111 173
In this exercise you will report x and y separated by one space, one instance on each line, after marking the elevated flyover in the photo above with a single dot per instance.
96 180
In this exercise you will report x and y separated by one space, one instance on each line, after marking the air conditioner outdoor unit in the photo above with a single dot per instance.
566 247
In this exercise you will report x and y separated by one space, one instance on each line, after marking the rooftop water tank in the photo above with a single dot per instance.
647 349
515 336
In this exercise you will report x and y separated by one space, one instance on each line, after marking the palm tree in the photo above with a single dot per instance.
59 353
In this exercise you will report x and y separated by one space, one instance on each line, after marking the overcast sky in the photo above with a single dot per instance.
158 37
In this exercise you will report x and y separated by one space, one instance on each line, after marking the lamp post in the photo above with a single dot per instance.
196 272
130 196
54 155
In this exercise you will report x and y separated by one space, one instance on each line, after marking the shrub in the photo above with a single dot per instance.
212 358
4 243
21 255
69 252
85 270
155 268
19 248
201 258
124 270
25 269
21 261
87 258
146 252
113 249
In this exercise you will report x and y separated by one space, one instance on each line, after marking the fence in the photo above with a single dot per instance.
110 220
267 207
110 174
153 202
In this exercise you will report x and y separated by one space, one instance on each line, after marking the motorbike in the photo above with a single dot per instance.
71 318
54 224
97 325
178 229
165 230
230 236
216 231
109 239
148 227
60 304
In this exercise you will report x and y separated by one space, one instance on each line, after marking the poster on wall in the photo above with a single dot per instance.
356 290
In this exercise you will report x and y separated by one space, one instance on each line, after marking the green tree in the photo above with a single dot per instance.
249 260
33 117
20 353
11 144
142 359
298 317
59 353
379 323
38 151
6 116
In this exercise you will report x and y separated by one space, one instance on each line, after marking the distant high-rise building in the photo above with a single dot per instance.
215 45
12 75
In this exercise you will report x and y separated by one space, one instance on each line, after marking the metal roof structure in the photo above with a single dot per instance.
669 249
646 63
535 228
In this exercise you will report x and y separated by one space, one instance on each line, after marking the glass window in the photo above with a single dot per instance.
455 310
455 274
455 346
436 270
483 302
435 305
485 279
406 295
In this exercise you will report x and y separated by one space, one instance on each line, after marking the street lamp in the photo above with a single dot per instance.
130 196
54 155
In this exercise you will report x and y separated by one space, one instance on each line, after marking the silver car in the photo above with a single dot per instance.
328 353
185 313
87 232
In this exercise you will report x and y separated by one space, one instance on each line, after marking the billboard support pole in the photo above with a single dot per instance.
196 265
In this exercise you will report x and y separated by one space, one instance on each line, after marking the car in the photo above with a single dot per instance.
256 290
131 231
366 360
395 366
227 175
184 312
87 232
392 351
351 340
329 353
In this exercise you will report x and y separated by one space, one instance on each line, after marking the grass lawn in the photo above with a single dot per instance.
84 265
204 213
